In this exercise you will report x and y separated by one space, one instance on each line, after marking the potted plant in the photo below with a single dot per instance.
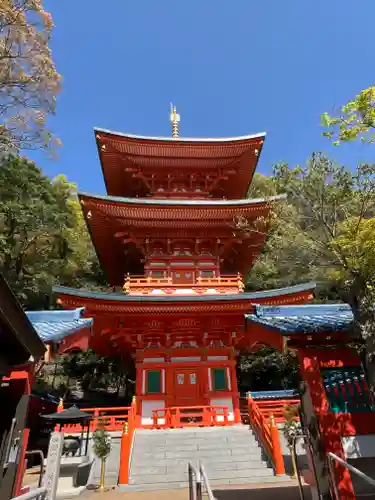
102 448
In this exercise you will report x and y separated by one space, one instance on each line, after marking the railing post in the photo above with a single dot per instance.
225 416
125 455
249 407
155 419
276 448
206 416
178 418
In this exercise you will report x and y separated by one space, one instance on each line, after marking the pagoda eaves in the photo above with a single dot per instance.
126 230
164 167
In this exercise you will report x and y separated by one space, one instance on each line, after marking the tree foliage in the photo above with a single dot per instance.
268 369
29 82
356 119
43 240
94 370
325 231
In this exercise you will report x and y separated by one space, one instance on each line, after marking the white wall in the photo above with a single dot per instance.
224 402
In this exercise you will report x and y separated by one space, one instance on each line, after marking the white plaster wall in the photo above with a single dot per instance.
224 402
186 358
217 358
148 407
361 446
152 360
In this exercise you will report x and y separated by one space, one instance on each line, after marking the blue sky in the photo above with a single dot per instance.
232 68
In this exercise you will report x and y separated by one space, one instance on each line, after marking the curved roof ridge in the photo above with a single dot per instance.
121 297
180 139
169 201
303 310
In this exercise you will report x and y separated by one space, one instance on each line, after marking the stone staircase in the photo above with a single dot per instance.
230 455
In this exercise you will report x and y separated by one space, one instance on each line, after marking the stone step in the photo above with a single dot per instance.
210 467
194 454
215 482
183 476
219 447
230 455
215 458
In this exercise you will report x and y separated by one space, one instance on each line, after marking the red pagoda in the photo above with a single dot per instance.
166 238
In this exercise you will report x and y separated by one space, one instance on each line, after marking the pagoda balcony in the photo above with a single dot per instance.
147 285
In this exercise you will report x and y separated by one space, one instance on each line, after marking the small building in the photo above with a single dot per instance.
23 337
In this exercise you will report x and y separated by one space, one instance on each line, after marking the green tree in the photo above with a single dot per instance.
29 82
325 231
267 370
356 119
42 238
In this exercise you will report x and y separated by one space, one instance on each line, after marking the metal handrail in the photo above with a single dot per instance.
206 483
331 457
38 494
306 440
41 455
201 480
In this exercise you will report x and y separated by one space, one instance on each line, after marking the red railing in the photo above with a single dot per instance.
276 408
190 416
139 285
114 418
268 434
127 443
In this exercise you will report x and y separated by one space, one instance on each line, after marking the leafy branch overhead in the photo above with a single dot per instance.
356 119
29 82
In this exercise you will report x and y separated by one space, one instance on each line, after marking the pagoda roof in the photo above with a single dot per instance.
108 216
123 154
165 202
121 303
303 319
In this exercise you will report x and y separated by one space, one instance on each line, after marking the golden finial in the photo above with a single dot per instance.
126 428
175 119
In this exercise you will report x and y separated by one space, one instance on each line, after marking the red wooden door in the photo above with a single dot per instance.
186 388
182 277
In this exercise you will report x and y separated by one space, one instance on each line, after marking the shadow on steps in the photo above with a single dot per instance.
262 493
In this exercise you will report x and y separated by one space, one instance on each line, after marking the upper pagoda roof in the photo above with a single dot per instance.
111 220
127 159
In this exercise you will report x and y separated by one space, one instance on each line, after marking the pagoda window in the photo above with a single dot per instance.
153 381
157 251
207 274
219 379
157 274
183 264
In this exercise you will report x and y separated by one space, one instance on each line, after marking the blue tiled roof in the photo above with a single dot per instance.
313 318
121 297
55 325
274 394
